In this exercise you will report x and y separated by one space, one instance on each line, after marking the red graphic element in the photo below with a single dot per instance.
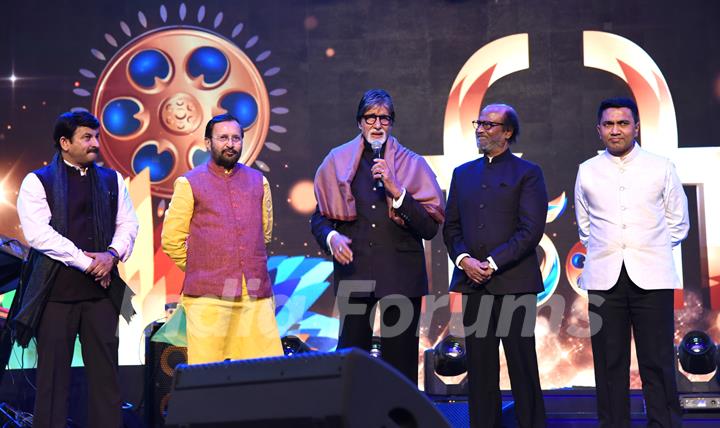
678 299
166 268
469 106
714 282
648 102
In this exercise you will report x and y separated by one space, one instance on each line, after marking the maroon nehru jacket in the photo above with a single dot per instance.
226 240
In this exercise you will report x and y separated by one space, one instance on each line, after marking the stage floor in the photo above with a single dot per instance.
566 408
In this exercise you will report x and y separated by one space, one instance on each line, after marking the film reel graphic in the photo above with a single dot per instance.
157 93
574 264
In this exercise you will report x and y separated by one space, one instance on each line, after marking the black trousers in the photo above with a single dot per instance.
401 350
650 315
96 322
484 400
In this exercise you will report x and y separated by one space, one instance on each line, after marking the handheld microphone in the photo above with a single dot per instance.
376 146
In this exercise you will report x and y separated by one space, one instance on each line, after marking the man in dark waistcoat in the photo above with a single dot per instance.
375 206
79 221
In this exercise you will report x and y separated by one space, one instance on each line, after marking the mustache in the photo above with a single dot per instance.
93 150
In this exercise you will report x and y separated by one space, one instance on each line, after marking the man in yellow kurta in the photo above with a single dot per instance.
215 229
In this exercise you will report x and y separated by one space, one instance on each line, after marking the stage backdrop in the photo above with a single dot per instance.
292 71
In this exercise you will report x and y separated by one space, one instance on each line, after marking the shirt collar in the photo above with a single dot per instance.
81 170
634 152
220 171
499 158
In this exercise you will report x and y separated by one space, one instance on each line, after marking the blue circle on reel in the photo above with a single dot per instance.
241 105
146 66
118 117
160 164
209 62
578 260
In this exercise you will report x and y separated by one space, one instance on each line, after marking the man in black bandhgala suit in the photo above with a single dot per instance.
495 218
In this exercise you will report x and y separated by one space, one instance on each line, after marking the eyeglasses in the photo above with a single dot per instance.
371 118
486 124
225 138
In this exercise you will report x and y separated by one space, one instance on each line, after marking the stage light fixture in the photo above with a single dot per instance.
697 353
376 347
294 345
447 359
449 355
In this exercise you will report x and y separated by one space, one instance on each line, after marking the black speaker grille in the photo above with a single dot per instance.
300 366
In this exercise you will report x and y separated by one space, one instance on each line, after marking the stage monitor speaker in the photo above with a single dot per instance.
161 359
348 389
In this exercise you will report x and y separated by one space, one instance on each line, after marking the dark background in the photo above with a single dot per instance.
413 49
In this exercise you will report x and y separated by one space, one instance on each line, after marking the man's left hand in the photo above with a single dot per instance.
104 281
380 171
478 271
486 270
101 265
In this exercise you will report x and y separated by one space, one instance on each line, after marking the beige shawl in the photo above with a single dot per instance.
335 174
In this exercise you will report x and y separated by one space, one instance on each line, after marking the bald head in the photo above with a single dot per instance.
510 119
